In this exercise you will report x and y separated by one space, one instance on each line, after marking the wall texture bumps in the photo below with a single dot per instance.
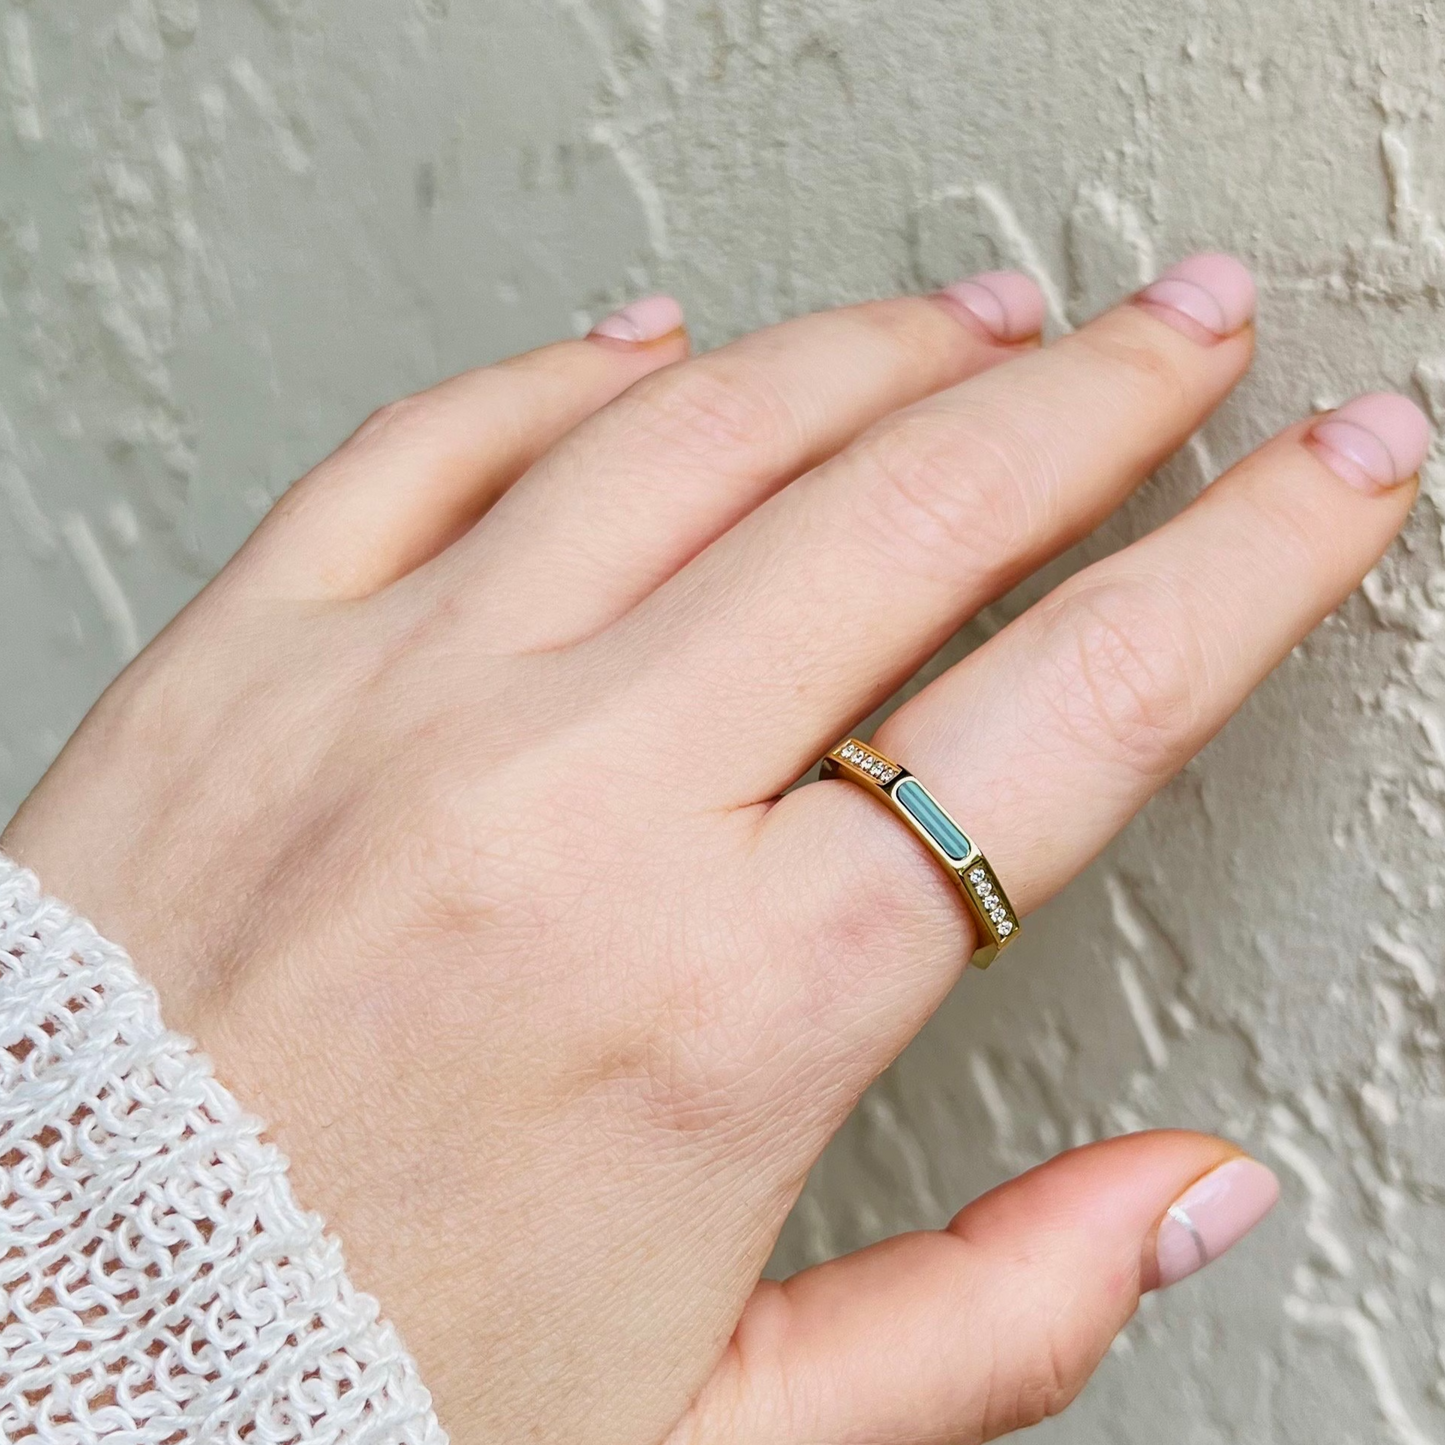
229 230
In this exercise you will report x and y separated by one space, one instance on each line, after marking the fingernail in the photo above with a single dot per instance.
1212 293
649 319
1374 442
1213 1215
1007 304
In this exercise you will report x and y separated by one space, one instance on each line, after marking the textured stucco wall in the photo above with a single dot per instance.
229 229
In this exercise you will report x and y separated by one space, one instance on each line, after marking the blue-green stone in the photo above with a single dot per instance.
932 819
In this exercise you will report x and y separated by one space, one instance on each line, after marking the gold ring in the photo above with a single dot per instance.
998 924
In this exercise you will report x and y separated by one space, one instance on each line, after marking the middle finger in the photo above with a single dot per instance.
814 608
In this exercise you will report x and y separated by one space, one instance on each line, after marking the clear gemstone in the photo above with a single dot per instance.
1005 928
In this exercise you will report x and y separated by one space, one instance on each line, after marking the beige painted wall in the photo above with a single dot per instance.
229 229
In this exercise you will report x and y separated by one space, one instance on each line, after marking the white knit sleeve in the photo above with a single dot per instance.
158 1282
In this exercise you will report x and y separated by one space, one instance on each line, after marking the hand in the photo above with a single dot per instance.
448 820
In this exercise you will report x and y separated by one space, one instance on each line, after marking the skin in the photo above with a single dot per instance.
447 819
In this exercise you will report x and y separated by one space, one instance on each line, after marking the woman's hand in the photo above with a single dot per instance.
448 820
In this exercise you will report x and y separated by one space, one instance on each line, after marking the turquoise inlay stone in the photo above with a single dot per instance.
933 820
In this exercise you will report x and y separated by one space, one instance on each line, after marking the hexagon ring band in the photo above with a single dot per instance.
998 924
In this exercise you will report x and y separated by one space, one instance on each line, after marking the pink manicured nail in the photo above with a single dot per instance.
650 319
1212 291
1212 1215
1374 442
1007 304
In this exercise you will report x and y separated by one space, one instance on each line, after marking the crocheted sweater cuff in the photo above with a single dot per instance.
158 1282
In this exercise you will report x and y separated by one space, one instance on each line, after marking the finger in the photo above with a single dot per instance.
420 471
1049 738
808 614
649 482
992 1324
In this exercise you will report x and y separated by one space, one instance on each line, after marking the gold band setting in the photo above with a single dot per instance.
998 924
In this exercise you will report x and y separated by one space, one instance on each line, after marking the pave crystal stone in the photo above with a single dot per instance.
916 801
1005 928
979 876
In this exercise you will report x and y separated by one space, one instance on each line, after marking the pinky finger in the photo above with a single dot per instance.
421 471
990 1325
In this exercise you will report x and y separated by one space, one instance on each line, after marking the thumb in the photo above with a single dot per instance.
990 1325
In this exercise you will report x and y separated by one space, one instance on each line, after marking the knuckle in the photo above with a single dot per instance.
939 488
1039 1355
1147 374
708 1063
905 328
1131 669
881 902
402 415
1055 1371
715 407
